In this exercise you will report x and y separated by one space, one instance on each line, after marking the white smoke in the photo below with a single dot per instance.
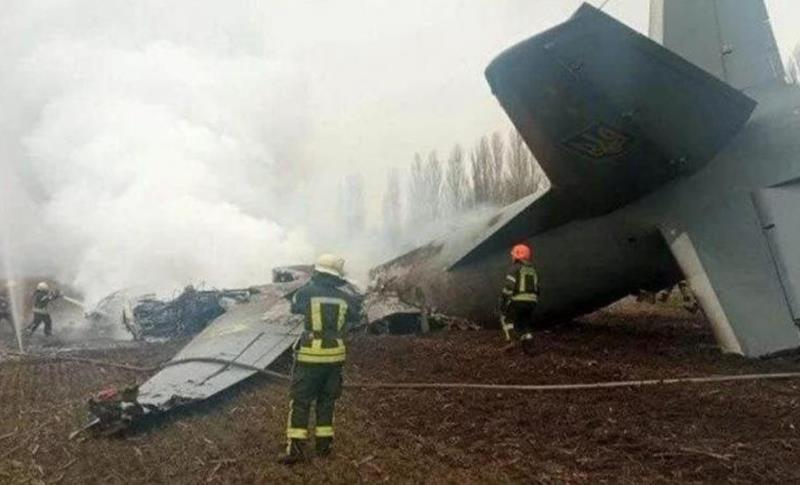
149 158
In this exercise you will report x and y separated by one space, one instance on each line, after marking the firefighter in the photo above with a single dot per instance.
5 311
520 296
319 356
41 300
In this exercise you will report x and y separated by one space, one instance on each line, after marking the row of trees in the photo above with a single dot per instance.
496 171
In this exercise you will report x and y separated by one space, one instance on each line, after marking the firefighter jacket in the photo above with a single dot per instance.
521 285
41 299
328 311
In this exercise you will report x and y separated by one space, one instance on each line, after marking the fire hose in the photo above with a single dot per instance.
435 385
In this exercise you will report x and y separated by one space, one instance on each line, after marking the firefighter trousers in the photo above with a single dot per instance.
521 315
42 318
320 383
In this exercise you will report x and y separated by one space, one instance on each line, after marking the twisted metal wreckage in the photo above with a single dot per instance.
243 332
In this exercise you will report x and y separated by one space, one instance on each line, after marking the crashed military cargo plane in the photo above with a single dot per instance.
667 162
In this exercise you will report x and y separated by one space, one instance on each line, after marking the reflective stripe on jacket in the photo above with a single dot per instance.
522 284
327 310
322 342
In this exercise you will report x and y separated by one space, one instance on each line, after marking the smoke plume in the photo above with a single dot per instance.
140 147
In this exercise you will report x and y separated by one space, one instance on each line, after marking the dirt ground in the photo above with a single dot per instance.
734 432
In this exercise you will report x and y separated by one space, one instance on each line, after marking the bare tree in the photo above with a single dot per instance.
500 172
520 181
480 160
433 186
456 184
392 209
496 170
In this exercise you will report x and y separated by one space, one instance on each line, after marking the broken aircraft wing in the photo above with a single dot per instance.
253 333
537 212
249 336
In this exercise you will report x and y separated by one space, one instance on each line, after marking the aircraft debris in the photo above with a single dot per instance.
243 338
286 274
387 313
187 314
115 409
254 330
689 302
396 304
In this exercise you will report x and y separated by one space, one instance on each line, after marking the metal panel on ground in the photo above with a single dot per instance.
253 333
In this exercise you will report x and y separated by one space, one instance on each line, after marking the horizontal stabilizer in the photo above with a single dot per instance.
611 115
515 223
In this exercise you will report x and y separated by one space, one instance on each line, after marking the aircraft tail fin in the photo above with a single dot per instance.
609 114
731 39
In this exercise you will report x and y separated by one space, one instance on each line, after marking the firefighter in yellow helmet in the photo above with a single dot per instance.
319 355
520 296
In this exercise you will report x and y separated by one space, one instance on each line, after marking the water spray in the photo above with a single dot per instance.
82 305
73 301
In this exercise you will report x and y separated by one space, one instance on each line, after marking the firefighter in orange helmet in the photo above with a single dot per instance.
520 296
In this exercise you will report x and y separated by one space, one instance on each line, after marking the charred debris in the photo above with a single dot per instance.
387 309
236 333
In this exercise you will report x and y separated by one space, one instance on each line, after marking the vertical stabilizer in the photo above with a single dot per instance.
731 39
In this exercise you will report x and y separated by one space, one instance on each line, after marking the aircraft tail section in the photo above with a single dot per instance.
609 114
731 39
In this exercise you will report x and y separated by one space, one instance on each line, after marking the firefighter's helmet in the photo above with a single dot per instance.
330 264
521 252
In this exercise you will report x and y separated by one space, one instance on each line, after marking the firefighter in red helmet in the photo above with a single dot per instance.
520 296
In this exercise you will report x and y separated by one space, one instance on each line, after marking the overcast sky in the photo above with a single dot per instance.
389 78
165 134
